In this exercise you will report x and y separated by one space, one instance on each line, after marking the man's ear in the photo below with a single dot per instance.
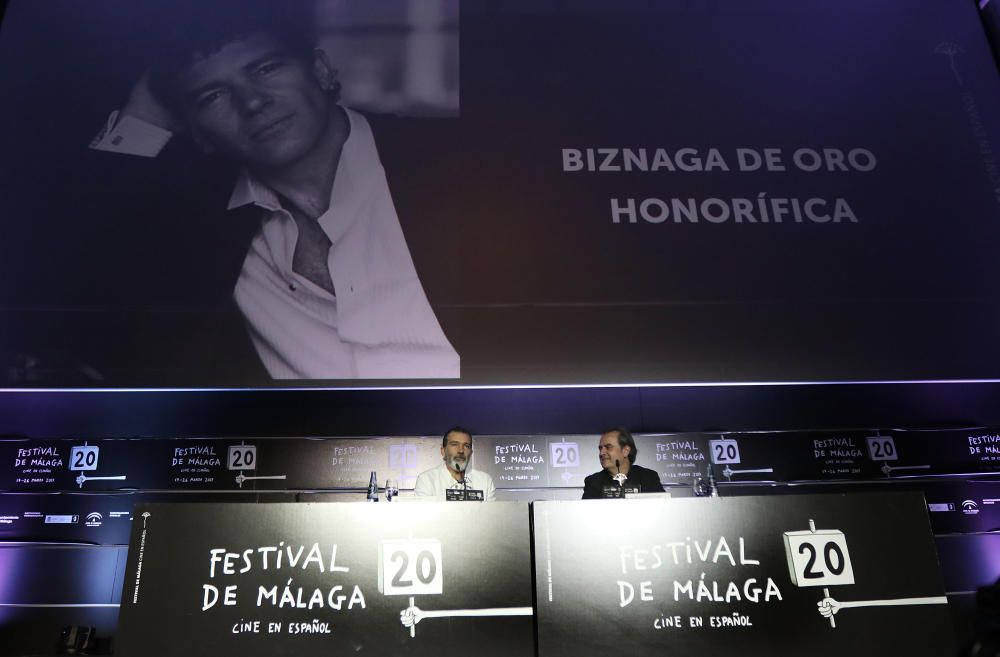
626 450
325 74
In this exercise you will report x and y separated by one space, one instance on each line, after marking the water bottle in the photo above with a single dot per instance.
373 488
705 486
713 489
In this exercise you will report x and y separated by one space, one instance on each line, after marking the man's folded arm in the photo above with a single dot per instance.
126 134
143 127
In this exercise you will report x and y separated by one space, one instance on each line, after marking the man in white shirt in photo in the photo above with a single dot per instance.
454 473
327 288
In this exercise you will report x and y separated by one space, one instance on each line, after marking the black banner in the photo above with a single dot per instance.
802 575
514 462
278 579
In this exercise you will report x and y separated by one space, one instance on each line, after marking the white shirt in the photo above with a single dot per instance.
433 483
379 325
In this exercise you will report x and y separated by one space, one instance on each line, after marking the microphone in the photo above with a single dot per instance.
620 478
460 469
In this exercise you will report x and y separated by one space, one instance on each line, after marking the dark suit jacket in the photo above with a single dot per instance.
645 479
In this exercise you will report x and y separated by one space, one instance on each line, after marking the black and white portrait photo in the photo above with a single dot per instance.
242 222
398 193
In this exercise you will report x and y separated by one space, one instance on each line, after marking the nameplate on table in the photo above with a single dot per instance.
463 495
612 491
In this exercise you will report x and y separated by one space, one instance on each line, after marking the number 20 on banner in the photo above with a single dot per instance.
242 457
564 455
83 457
410 567
882 448
818 557
724 451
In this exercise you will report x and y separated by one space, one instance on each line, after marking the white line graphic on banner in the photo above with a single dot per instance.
729 472
819 557
240 478
82 479
887 469
828 607
415 567
412 615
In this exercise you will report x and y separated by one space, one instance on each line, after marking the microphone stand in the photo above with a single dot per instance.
621 482
465 482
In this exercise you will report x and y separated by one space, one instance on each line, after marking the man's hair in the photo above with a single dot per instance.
455 429
194 29
625 439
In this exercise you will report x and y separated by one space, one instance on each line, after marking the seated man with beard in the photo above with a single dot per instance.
454 474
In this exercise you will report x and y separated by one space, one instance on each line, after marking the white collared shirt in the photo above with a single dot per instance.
379 324
431 484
